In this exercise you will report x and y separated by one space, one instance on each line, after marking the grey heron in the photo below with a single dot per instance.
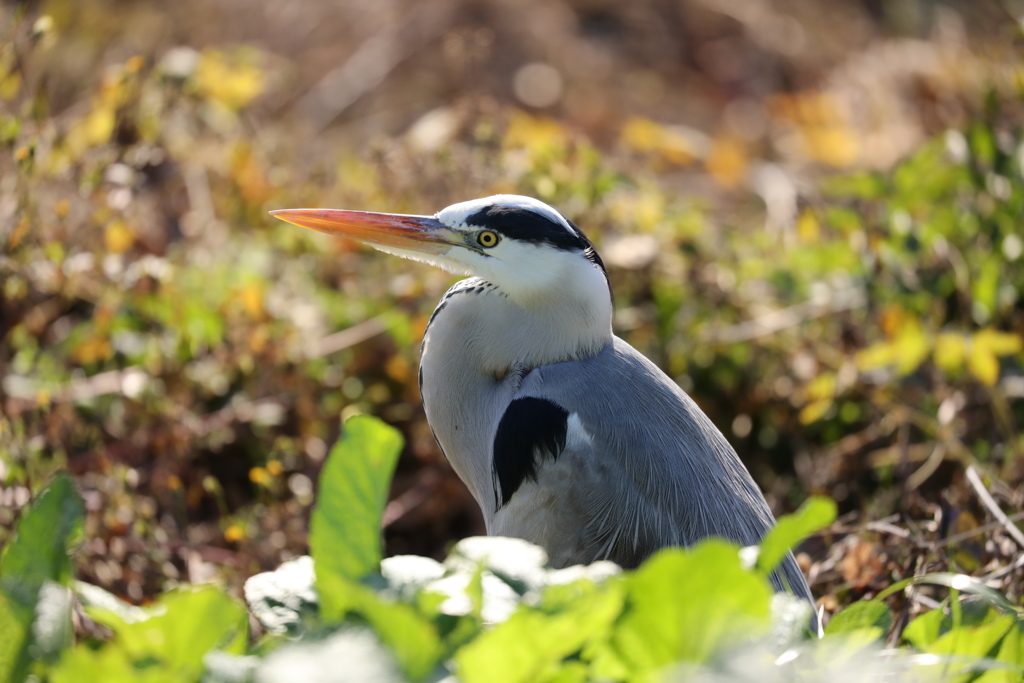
565 435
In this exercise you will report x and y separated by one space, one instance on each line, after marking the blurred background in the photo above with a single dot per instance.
811 214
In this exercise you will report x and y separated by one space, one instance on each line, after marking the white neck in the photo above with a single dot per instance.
480 343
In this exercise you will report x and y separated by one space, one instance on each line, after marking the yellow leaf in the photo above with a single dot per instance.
228 79
534 133
984 365
876 356
118 238
912 348
892 319
644 135
950 350
92 350
641 134
398 368
807 227
728 161
812 412
94 130
822 387
10 85
833 145
251 297
998 343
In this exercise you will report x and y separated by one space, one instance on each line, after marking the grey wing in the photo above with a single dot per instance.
641 466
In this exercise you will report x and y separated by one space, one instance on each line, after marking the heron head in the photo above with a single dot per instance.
522 245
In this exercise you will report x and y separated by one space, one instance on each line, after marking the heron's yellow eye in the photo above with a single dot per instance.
487 238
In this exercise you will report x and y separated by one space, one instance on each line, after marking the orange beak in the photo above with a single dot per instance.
423 234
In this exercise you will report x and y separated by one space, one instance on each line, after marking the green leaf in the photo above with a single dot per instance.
1012 649
685 605
977 641
345 538
864 615
180 629
36 556
532 644
15 627
108 664
50 527
413 639
814 515
925 629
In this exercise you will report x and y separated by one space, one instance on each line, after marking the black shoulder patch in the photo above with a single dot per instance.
530 427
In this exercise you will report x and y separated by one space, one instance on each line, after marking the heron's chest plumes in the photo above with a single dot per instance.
478 346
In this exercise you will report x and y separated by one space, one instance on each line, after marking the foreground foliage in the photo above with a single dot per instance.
490 613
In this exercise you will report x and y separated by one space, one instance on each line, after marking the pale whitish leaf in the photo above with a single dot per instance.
52 630
349 656
280 599
95 597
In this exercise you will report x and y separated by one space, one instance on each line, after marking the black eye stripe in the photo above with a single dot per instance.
528 226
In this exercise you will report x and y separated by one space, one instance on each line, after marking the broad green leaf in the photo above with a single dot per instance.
411 636
108 664
15 629
182 626
925 629
863 615
35 557
1011 651
685 605
976 641
532 644
345 538
44 535
814 515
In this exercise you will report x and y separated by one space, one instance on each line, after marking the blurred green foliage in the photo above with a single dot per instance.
696 608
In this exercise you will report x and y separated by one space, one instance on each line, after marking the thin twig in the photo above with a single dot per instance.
967 535
990 503
793 316
350 336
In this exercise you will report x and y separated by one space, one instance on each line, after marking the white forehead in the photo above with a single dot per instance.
455 215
